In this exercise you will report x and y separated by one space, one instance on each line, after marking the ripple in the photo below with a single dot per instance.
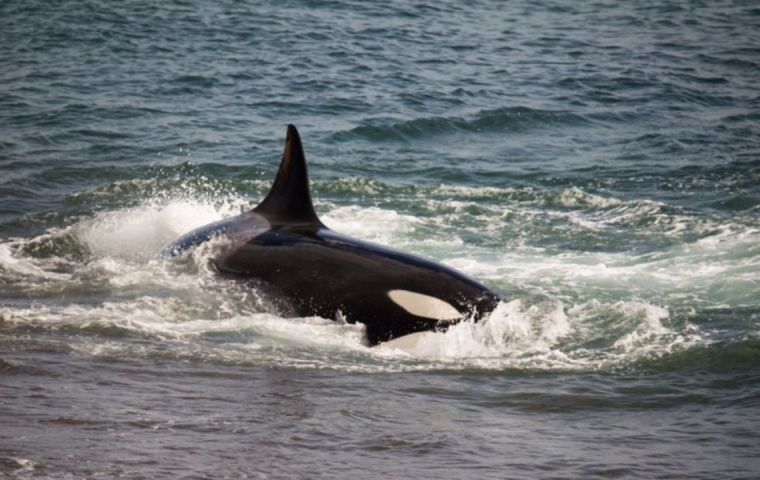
501 120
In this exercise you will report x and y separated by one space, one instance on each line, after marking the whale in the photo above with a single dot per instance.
284 251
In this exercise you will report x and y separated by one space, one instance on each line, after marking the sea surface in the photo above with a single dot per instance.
595 163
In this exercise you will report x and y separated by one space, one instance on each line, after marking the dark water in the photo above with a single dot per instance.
597 164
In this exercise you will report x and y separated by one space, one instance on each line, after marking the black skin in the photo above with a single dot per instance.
319 272
283 249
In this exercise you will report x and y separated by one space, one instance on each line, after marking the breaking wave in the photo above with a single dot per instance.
98 282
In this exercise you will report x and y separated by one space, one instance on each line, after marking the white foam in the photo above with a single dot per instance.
372 223
200 315
24 466
511 328
25 266
549 336
140 233
223 326
575 197
465 191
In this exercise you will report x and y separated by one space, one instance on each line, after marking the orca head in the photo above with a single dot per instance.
288 202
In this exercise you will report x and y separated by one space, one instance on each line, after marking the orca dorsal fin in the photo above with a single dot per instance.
289 201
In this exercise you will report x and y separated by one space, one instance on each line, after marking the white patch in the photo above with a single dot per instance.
424 305
408 342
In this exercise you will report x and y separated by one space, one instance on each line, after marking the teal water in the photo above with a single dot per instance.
596 164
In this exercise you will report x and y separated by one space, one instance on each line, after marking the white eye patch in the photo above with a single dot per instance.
424 305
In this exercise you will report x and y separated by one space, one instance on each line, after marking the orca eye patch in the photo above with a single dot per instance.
424 306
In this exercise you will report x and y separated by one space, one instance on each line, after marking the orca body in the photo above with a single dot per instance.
306 269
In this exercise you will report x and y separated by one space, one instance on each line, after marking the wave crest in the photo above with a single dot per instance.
499 120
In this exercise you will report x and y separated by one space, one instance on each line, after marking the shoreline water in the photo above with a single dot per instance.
598 166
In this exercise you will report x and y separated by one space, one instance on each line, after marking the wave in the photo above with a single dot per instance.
736 355
500 120
568 230
518 335
97 283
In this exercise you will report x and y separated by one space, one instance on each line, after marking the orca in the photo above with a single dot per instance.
307 269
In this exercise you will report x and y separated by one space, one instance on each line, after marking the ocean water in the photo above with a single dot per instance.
597 164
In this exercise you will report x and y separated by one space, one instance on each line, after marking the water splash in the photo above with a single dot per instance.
105 289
